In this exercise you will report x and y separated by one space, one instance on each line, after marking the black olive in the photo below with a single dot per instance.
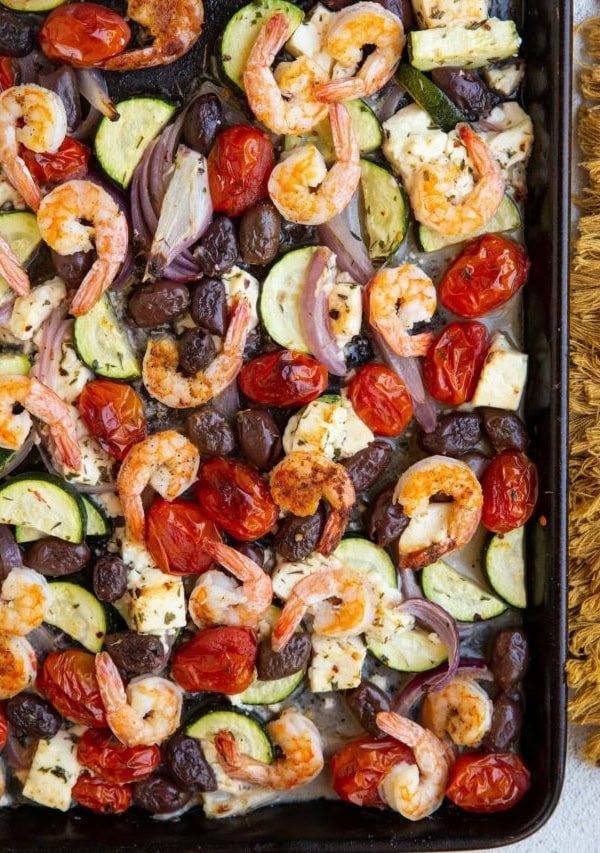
158 302
465 89
187 764
217 249
196 351
358 351
73 268
367 466
505 429
298 536
365 702
137 654
110 578
209 305
158 794
32 716
259 437
260 231
510 657
210 432
17 33
387 521
55 557
292 658
252 550
455 434
506 723
202 122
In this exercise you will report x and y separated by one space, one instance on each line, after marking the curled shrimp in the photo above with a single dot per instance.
301 187
300 742
349 31
42 402
429 477
167 461
18 665
218 600
462 709
432 192
12 270
165 383
36 118
24 601
148 712
398 299
299 482
73 215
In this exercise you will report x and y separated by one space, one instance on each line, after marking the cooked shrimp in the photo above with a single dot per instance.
462 709
299 482
18 665
11 269
347 34
300 741
414 790
78 216
167 461
301 187
175 26
432 476
24 601
398 299
433 191
34 117
148 712
43 403
342 603
165 383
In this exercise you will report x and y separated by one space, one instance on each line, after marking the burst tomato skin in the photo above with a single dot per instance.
7 73
112 761
239 165
100 796
174 533
452 366
68 680
114 414
359 767
510 491
283 378
487 782
83 34
218 660
69 162
380 399
3 728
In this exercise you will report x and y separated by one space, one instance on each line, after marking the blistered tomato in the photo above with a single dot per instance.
218 660
358 768
490 782
68 680
101 797
380 399
239 165
174 533
283 378
3 728
101 752
7 72
510 491
454 361
69 162
114 414
83 34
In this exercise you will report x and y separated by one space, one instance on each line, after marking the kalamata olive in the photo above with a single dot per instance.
386 521
64 82
298 536
367 466
252 550
32 716
456 433
210 432
294 235
203 120
477 462
137 654
510 657
196 351
158 794
186 763
506 724
260 230
158 302
402 8
259 437
217 249
110 578
365 702
336 5
17 33
73 268
505 430
358 351
292 658
209 305
55 557
465 89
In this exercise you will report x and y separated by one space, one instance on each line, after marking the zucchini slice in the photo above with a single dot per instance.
32 5
365 556
78 613
460 596
385 210
96 524
102 343
444 113
56 507
280 298
506 218
365 124
463 45
505 566
21 232
250 735
270 692
14 363
416 650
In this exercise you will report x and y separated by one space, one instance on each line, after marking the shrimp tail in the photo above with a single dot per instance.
68 452
342 132
228 749
333 531
412 346
426 556
21 177
133 510
287 623
110 684
12 270
339 90
93 286
269 42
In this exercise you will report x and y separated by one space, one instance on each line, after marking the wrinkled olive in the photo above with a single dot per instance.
73 268
252 550
505 430
336 5
506 724
465 89
365 702
367 466
456 433
32 716
137 654
17 34
203 120
259 437
292 658
298 536
477 462
158 794
294 235
196 351
209 305
386 521
260 230
217 249
55 557
110 578
358 351
510 657
210 432
186 763
158 302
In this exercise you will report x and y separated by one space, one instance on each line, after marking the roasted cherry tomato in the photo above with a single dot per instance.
239 165
3 728
174 534
68 680
359 766
100 796
7 72
380 399
84 34
484 276
454 361
114 414
235 496
510 491
283 378
101 752
491 782
218 660
69 162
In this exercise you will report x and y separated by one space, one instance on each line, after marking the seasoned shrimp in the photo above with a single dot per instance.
283 99
398 299
432 193
43 403
18 665
148 712
24 601
36 118
301 187
218 600
414 790
342 603
11 269
462 709
300 742
432 476
299 482
78 216
349 31
164 382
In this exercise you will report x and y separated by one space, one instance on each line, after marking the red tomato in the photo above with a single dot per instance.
490 782
114 414
359 766
239 165
101 752
484 276
380 399
101 796
7 72
510 491
174 534
3 728
218 660
235 496
283 378
454 361
84 34
68 680
69 162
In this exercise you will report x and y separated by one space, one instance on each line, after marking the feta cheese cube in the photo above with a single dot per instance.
426 529
441 13
503 377
336 663
309 37
505 79
286 575
54 770
238 282
31 311
154 602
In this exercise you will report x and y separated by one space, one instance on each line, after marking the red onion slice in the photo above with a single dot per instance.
92 85
89 124
424 682
6 310
440 622
314 314
345 243
409 584
10 553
